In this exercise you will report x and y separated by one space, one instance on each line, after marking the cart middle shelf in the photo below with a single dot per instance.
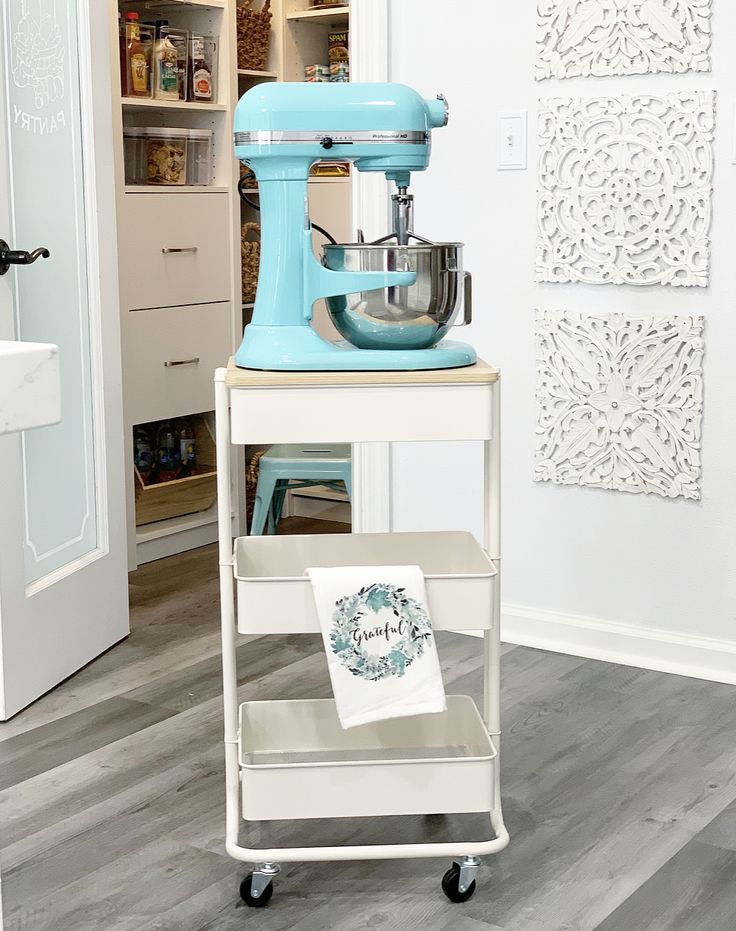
275 595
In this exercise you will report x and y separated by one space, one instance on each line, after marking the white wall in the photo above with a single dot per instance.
635 560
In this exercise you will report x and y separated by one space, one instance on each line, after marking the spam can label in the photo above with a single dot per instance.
338 49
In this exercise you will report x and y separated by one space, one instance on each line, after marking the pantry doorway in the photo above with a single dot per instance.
63 592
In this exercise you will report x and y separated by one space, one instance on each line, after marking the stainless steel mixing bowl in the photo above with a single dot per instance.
413 317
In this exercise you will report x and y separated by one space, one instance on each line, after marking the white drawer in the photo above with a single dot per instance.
171 355
152 273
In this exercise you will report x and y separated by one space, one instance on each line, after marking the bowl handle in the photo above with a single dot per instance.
467 300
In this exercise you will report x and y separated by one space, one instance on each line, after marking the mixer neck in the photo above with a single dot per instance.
402 215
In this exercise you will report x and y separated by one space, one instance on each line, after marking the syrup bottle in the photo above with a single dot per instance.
201 75
137 62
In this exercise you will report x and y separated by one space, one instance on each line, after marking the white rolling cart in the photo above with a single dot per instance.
291 759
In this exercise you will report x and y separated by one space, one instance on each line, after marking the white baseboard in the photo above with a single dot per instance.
644 647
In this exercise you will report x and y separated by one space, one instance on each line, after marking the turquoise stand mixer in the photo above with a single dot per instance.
392 300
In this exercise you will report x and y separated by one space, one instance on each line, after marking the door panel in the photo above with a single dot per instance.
63 579
51 301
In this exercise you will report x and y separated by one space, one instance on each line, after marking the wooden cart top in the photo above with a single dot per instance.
480 373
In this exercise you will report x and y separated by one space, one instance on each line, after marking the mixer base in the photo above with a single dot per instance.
300 349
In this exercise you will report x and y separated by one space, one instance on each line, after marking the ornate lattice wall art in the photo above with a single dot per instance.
614 37
624 189
619 402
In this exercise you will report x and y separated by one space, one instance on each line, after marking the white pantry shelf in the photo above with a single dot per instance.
164 528
214 219
175 189
174 5
330 17
249 73
136 103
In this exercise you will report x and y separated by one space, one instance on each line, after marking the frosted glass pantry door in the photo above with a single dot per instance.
52 302
62 565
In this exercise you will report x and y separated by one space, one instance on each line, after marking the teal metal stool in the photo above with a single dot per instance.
292 465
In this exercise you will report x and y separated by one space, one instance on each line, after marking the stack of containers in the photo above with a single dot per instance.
167 156
161 62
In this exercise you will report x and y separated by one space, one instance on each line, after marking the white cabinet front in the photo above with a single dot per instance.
176 250
173 353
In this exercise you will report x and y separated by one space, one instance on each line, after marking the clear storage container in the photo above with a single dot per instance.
199 156
135 154
155 155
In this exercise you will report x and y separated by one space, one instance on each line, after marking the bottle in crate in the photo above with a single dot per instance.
143 452
187 450
169 455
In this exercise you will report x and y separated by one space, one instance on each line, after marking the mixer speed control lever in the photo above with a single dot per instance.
327 142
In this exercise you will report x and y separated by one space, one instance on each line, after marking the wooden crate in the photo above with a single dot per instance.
181 495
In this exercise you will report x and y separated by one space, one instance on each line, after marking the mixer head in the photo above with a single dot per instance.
282 129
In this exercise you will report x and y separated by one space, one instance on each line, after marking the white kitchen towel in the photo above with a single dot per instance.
378 637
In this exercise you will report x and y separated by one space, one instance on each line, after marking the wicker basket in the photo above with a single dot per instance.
250 254
254 34
251 484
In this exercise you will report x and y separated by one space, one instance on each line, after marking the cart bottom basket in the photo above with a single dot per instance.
297 762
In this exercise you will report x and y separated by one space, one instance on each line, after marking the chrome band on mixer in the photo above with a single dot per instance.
266 137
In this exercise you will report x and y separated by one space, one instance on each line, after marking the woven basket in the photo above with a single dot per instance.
250 254
254 34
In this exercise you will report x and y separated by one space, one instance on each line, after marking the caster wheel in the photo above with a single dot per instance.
262 900
451 886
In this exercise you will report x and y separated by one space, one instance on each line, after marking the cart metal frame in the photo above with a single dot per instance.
271 407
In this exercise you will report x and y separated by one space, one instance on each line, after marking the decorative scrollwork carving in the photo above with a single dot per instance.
619 402
583 38
624 189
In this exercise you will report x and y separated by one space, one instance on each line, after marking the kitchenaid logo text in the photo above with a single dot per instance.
38 125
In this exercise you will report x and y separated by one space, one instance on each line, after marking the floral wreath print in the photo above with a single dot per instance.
350 633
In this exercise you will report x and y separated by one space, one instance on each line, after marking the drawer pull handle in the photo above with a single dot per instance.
167 251
170 365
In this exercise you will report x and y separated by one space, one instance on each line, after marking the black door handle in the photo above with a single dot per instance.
10 256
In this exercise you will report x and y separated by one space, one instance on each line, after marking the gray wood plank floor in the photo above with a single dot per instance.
619 791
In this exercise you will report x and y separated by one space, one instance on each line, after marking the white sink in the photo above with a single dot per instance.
30 385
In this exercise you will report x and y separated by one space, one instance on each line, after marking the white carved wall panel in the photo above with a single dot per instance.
581 38
619 402
624 189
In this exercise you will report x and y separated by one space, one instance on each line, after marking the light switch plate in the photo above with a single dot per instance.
511 146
